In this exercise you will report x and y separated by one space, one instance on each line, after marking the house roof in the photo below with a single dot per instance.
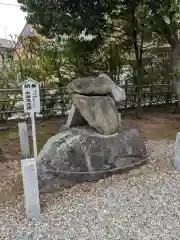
20 35
7 44
27 30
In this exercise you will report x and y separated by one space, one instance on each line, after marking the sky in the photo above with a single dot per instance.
12 19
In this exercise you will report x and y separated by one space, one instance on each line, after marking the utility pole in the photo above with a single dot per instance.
5 33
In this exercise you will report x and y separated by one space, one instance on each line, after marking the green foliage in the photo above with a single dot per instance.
67 17
164 19
8 80
81 54
125 33
33 60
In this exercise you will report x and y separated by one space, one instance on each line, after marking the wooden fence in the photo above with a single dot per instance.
150 95
58 101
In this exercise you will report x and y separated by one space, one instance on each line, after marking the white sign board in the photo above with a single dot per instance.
31 96
31 99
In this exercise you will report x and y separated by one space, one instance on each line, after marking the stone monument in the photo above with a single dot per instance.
93 143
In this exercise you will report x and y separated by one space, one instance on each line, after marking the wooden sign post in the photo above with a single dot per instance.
31 99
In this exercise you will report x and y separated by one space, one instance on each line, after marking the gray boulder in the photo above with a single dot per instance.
80 154
117 93
101 85
99 111
75 118
89 86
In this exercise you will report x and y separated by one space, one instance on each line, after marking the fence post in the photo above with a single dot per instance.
43 100
151 95
31 188
126 91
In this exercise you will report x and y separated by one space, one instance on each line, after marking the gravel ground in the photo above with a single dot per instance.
142 204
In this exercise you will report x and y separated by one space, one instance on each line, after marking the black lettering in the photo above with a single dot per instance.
33 85
27 86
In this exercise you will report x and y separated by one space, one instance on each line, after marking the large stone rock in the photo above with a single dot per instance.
99 112
75 118
117 93
101 85
81 154
89 86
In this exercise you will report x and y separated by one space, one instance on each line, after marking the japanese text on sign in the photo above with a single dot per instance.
31 96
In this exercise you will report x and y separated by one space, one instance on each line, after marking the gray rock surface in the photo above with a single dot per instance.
99 112
101 85
117 93
75 118
81 154
89 86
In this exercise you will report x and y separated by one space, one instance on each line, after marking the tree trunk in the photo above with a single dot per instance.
175 60
139 110
138 90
